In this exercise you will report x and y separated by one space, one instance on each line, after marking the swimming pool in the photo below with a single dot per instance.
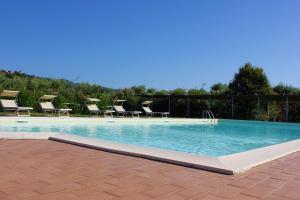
228 144
223 138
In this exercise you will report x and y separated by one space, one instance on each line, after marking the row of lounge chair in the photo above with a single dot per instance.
9 103
118 108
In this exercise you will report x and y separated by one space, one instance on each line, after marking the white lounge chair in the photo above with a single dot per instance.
11 104
92 107
47 106
149 112
118 106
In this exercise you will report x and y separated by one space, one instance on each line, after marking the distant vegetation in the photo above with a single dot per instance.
248 82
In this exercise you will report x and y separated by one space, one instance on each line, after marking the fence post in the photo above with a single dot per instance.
268 107
287 109
170 103
257 109
257 103
209 103
151 105
188 106
232 110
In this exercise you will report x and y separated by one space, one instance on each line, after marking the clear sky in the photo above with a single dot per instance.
158 43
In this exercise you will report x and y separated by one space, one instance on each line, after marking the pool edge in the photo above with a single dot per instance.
168 156
229 164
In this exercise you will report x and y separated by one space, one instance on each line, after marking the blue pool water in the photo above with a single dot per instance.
226 137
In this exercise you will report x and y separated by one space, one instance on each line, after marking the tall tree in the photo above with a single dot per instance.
250 80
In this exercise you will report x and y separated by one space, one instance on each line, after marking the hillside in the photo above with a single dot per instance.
32 87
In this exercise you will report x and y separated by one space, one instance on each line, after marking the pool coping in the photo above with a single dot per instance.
228 164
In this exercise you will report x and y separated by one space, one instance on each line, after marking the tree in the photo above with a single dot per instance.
151 91
250 80
139 89
179 91
285 89
219 88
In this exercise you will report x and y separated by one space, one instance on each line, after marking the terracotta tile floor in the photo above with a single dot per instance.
46 170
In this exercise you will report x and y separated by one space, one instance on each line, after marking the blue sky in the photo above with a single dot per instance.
163 44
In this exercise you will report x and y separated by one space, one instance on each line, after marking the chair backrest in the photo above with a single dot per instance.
47 106
8 104
92 107
47 97
147 109
9 93
119 108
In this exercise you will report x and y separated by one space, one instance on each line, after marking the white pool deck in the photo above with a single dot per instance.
229 164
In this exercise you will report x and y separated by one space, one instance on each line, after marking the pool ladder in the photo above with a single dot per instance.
208 114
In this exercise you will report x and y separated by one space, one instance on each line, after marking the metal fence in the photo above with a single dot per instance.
256 107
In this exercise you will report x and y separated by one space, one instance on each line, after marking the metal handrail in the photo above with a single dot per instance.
208 114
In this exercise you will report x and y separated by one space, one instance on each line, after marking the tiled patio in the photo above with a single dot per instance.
45 170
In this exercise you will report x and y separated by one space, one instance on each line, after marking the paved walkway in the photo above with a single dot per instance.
46 170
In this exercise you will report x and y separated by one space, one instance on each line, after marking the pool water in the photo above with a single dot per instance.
226 137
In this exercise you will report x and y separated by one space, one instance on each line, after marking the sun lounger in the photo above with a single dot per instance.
149 112
92 107
48 107
118 106
11 104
